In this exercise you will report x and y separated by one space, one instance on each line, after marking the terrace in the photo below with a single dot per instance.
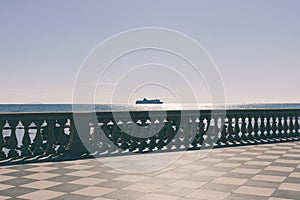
255 154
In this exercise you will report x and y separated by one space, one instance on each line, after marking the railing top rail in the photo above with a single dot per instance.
58 115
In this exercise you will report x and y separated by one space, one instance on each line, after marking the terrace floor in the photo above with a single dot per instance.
268 171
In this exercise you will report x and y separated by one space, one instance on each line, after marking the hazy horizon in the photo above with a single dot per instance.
255 45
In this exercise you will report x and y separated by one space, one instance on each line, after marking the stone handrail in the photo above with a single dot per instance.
28 135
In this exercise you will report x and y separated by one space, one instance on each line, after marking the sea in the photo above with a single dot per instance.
8 108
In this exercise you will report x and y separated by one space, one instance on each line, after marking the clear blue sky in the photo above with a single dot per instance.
255 44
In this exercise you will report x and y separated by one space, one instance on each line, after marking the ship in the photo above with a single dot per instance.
150 101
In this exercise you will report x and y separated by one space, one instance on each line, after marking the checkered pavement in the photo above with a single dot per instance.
268 171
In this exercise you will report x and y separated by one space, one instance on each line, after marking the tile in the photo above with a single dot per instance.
16 191
41 184
262 184
4 186
213 160
238 158
130 178
158 196
295 175
286 194
66 188
255 191
4 197
187 183
291 155
231 181
237 196
246 171
219 187
294 150
82 173
226 154
290 186
41 169
44 194
88 181
250 153
209 173
190 167
79 167
261 163
7 171
5 178
93 191
276 152
142 187
73 197
269 178
230 165
158 180
287 161
265 157
124 195
41 176
172 175
208 194
279 169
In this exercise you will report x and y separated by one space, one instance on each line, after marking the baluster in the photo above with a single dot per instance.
230 130
26 140
161 136
153 138
50 137
95 135
268 127
124 141
274 127
250 129
134 141
123 137
105 128
193 131
215 133
243 129
291 125
170 131
285 126
210 132
262 127
79 144
256 128
61 138
236 129
201 131
12 141
143 139
280 127
296 126
2 154
115 133
38 141
207 128
223 137
177 139
186 132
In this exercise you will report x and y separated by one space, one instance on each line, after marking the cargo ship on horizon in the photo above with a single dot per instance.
149 101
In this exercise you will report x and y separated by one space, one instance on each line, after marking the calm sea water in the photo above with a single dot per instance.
108 107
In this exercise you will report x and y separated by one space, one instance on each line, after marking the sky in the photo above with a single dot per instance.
254 44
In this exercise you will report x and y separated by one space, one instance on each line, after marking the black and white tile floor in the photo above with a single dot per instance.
269 171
